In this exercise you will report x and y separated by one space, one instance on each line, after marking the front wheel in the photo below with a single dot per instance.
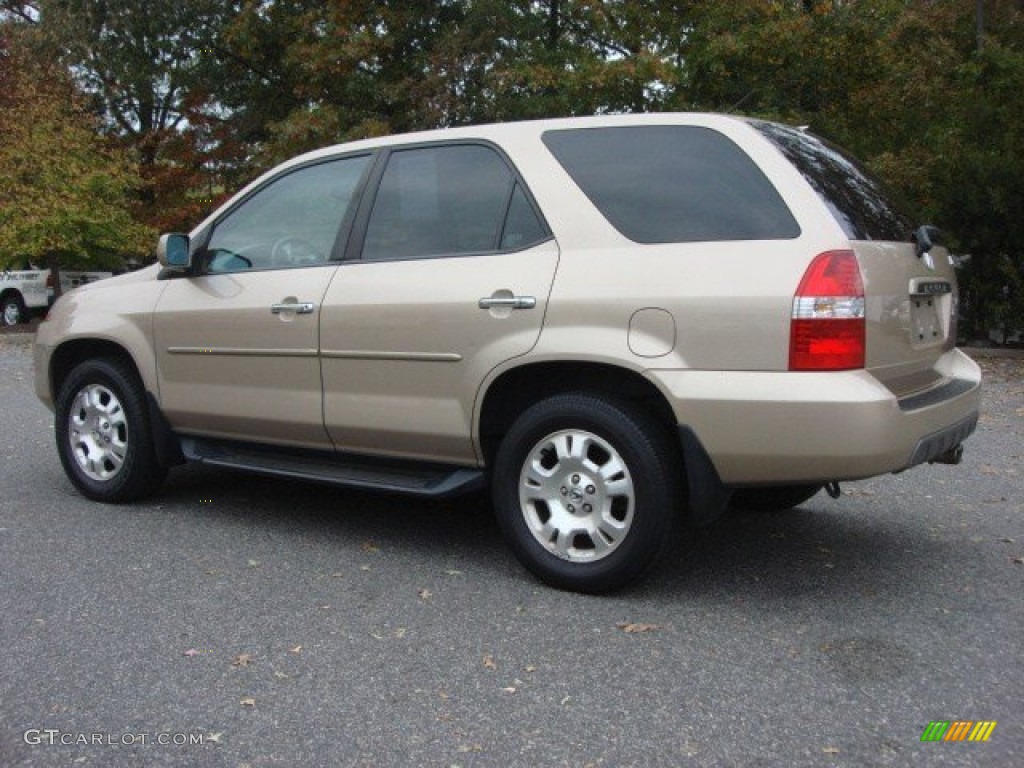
584 489
13 309
103 432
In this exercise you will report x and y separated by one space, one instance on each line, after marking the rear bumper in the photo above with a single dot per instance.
778 428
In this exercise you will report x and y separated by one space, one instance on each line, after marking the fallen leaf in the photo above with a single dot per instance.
831 750
632 628
191 652
242 660
280 675
466 748
400 633
452 572
253 563
296 649
1019 560
509 689
247 701
530 668
425 594
369 546
489 662
213 737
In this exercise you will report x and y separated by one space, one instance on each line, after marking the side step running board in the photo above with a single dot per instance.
426 480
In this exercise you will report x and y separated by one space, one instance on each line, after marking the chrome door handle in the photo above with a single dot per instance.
510 302
299 308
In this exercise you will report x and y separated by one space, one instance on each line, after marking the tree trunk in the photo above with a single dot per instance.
53 264
554 25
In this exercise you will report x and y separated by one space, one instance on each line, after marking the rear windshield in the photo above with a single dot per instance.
861 205
672 184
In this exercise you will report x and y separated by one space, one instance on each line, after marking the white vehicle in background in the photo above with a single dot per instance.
28 292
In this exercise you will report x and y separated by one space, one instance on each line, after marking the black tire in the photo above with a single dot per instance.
104 437
775 499
13 310
633 514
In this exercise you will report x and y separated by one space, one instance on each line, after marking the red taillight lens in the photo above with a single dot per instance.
827 331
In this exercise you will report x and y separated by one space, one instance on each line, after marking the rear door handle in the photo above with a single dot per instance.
298 307
509 302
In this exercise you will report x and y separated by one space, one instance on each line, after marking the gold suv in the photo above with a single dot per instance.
605 319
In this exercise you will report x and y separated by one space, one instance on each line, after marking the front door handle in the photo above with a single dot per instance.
508 302
298 307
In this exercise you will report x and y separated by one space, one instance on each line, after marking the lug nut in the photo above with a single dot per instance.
572 509
587 508
564 490
591 489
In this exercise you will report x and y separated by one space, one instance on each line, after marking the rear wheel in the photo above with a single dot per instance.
584 490
103 432
774 499
13 309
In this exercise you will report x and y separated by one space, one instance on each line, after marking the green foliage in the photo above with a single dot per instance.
206 93
65 194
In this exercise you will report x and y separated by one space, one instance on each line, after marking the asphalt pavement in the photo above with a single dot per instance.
245 622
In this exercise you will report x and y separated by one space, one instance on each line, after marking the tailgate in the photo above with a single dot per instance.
910 311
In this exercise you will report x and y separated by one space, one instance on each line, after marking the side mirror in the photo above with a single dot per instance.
172 251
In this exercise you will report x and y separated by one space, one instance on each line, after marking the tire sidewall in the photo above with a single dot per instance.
629 434
139 464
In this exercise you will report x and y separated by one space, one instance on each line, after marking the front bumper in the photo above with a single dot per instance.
776 428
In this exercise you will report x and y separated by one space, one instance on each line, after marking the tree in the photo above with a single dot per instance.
152 72
65 193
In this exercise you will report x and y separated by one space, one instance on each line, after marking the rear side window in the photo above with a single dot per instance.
673 184
449 200
859 202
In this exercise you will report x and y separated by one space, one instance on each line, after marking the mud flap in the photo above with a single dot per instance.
707 498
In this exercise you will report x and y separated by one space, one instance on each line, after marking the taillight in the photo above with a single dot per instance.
827 330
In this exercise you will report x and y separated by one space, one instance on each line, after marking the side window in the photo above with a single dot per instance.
522 227
446 201
291 222
673 184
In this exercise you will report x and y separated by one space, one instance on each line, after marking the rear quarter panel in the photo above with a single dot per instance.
730 301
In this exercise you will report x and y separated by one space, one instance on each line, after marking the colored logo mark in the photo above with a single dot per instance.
958 730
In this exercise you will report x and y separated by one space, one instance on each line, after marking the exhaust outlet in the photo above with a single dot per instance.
953 456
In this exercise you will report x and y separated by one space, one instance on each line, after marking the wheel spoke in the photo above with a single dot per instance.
602 543
538 479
